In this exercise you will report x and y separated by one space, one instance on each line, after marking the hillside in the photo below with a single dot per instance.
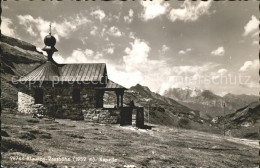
163 110
209 104
41 142
245 122
17 59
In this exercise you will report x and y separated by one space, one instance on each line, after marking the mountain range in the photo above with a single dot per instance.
245 122
209 104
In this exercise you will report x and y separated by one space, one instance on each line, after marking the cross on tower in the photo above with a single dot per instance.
50 29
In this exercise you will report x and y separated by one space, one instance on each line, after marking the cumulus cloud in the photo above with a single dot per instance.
137 62
123 77
164 87
182 52
6 27
164 49
136 55
58 58
250 65
114 31
39 26
220 51
251 26
153 9
192 69
222 71
190 11
129 18
98 14
94 30
110 50
82 56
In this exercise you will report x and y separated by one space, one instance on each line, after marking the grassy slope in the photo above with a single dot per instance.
17 58
117 146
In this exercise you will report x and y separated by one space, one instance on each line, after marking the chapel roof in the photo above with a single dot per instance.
50 71
87 72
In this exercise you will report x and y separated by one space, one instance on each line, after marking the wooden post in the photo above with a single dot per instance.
117 99
122 98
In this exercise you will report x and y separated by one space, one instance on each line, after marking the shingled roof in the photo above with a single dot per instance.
87 72
67 72
45 72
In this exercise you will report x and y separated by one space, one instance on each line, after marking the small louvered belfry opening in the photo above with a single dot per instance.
38 96
76 95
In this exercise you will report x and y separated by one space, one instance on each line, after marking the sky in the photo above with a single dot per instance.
159 44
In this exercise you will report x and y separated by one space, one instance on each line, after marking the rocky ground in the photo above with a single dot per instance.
47 143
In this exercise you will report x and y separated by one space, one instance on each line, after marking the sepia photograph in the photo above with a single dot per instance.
137 83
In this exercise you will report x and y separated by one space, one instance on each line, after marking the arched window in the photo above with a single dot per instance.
38 96
76 95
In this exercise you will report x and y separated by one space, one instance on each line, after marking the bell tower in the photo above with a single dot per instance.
50 42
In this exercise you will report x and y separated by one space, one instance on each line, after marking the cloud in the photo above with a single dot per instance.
153 9
251 26
123 77
164 49
137 62
84 40
94 30
222 71
192 69
114 31
164 87
39 26
220 51
83 56
110 50
98 14
136 55
250 65
58 58
190 11
129 18
182 52
6 27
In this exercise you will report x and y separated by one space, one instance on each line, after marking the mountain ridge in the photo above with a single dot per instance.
208 103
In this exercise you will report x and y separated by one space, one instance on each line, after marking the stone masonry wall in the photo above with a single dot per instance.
103 116
25 102
58 103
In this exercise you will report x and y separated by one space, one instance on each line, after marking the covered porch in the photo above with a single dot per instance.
111 87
